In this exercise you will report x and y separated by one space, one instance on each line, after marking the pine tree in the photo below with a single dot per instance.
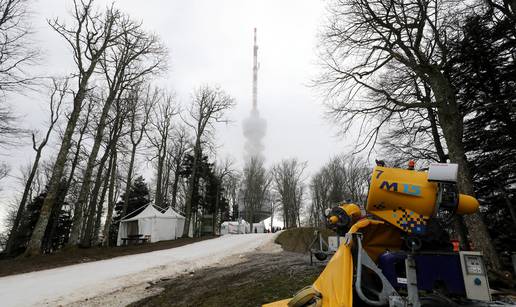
58 229
138 199
484 71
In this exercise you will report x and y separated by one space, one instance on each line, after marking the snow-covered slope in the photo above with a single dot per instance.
72 283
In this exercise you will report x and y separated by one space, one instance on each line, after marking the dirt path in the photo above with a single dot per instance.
267 275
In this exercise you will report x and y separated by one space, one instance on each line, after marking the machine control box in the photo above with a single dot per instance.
334 242
475 276
443 172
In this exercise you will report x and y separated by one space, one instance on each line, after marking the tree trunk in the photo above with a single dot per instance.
166 184
508 203
92 206
436 137
458 222
34 246
452 125
77 154
88 235
215 212
159 178
462 232
111 199
191 187
175 186
129 180
98 217
85 188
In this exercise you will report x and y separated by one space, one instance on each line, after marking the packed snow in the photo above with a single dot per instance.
70 284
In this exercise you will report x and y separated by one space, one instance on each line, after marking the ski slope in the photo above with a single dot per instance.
77 282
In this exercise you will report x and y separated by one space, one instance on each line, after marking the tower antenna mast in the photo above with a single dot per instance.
255 73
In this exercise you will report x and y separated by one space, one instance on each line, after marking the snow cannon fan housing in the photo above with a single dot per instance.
340 218
408 199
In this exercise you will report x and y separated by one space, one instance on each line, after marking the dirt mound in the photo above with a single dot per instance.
298 240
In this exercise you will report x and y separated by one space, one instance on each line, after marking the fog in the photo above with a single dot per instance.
255 129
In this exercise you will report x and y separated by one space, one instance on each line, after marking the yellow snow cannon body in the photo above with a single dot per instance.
400 209
408 199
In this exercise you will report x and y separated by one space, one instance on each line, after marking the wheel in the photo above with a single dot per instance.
320 256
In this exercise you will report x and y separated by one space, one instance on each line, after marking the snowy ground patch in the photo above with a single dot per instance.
74 283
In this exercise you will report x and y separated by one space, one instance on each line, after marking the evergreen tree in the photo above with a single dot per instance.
203 170
484 71
57 231
208 191
138 199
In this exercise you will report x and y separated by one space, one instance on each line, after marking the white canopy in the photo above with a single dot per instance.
153 224
180 223
258 227
234 227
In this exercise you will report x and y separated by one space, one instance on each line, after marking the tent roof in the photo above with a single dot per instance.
171 212
148 212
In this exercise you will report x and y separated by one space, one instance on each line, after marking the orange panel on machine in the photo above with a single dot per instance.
403 198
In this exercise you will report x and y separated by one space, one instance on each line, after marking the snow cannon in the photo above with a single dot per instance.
398 253
408 199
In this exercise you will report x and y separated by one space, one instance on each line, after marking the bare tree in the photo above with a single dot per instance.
255 187
177 152
370 44
78 144
111 197
89 37
10 133
319 188
505 7
208 107
141 100
16 52
161 123
231 192
134 55
223 171
95 206
57 94
288 183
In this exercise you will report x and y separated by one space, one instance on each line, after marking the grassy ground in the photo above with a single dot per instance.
81 255
261 278
299 239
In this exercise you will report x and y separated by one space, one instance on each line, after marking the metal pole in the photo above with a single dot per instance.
410 267
255 72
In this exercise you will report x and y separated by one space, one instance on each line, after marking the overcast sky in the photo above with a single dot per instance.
211 42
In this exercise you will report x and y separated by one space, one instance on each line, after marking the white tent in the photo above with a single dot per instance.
150 223
234 227
258 227
180 221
